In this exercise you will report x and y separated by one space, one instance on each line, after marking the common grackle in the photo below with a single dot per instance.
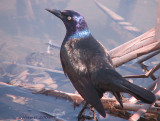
89 67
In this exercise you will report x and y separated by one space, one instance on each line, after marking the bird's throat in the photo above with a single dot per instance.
79 34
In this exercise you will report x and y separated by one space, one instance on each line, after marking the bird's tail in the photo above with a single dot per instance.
140 93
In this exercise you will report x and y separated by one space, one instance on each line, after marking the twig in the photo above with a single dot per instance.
146 75
148 56
144 67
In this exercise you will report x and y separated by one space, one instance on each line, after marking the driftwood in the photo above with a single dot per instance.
137 47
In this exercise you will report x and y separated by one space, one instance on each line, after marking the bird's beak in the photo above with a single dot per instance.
55 12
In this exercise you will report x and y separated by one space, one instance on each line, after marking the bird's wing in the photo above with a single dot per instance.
110 80
76 70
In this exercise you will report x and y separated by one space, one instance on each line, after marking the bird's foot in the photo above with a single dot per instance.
94 114
84 117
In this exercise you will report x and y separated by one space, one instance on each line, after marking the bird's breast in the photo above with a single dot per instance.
73 57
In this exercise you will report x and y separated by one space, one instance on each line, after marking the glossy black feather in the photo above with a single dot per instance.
89 67
74 65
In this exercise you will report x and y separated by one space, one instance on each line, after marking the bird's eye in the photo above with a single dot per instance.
69 18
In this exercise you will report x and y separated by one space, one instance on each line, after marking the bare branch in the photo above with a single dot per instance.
137 47
148 56
149 73
126 46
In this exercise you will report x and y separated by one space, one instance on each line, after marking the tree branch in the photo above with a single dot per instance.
146 75
132 49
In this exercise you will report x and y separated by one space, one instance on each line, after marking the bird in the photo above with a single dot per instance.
89 66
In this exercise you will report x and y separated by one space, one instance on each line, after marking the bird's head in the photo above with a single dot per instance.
73 21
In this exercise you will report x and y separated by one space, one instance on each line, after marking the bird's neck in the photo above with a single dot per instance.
78 34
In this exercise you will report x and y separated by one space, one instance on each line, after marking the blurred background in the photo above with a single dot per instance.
25 25
26 28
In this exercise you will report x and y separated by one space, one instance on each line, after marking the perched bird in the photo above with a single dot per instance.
89 67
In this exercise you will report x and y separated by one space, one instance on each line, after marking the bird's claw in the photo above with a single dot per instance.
83 117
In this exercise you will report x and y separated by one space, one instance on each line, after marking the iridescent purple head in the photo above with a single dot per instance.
74 22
